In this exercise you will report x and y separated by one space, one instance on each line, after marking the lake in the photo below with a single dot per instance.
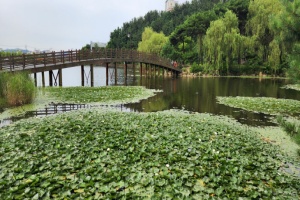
194 94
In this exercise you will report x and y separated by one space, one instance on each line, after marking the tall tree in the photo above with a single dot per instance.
259 28
152 42
287 25
222 42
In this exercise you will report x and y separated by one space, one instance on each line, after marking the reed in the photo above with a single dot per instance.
292 127
17 88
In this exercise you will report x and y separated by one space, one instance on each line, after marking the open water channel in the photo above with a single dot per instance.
194 94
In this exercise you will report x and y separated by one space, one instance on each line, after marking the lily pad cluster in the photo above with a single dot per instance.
106 154
265 105
293 87
107 95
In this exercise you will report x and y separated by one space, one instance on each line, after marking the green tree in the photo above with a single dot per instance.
287 26
223 42
259 28
87 47
196 26
152 42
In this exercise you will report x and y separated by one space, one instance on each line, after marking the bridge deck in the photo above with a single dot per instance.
64 59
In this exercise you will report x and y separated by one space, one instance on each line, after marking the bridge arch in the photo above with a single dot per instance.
43 62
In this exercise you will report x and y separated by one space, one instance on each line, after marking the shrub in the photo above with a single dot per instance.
196 68
17 88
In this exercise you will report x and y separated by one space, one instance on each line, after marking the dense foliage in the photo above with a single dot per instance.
152 42
9 53
230 37
16 88
114 155
158 21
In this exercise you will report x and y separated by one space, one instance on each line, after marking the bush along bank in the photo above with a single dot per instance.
16 88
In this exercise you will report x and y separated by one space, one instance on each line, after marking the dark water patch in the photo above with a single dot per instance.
55 108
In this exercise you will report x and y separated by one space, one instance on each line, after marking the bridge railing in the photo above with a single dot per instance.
29 61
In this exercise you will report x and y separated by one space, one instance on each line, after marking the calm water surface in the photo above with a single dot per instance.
191 94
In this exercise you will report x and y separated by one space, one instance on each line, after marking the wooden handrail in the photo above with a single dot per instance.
30 61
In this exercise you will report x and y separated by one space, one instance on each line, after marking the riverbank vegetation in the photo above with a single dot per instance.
16 89
235 37
111 154
292 127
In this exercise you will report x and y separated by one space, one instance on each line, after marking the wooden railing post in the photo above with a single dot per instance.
1 62
45 58
63 56
23 59
34 61
53 57
12 66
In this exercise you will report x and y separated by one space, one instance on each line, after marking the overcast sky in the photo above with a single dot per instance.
66 24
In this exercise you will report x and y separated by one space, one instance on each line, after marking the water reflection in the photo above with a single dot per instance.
191 94
199 95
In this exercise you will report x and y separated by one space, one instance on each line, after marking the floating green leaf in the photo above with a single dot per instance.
107 154
263 104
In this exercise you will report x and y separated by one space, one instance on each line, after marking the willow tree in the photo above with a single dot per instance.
259 28
223 42
152 42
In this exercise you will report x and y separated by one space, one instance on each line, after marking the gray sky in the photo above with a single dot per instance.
66 24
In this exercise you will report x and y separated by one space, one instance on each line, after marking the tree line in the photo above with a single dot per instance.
223 38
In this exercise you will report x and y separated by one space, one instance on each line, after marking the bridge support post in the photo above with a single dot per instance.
60 77
133 66
43 79
154 70
92 75
106 74
116 74
141 69
50 78
82 75
35 79
125 70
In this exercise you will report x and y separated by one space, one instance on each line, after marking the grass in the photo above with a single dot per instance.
292 127
106 154
17 88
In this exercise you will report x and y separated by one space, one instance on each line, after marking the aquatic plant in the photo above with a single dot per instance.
17 88
107 95
105 154
293 87
265 105
291 126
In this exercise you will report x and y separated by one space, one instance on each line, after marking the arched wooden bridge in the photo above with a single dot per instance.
43 62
